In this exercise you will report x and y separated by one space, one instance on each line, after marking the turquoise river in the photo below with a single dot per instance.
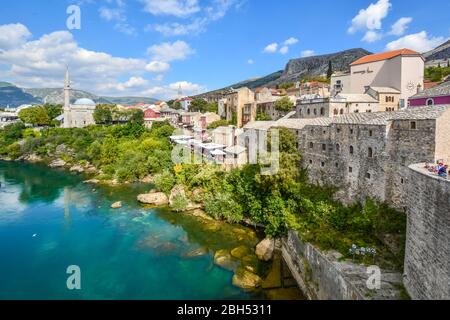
50 220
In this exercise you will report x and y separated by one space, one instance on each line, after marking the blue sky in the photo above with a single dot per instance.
151 47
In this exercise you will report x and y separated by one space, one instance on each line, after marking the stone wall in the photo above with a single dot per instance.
322 276
427 255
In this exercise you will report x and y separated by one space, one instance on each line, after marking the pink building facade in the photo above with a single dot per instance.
439 95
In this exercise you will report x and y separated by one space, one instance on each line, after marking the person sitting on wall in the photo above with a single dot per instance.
443 171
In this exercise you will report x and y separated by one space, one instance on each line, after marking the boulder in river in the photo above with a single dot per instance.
155 198
77 168
265 249
240 252
246 280
223 259
58 163
117 205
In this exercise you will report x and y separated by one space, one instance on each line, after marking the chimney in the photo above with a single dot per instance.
419 88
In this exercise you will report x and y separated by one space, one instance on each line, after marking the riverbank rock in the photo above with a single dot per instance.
246 280
148 179
33 158
117 205
223 259
264 250
179 191
92 181
77 168
155 198
240 252
176 191
201 214
58 163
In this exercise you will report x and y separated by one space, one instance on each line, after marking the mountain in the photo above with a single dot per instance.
315 66
14 96
438 55
129 100
302 68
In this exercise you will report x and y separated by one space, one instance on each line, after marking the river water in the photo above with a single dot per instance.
50 220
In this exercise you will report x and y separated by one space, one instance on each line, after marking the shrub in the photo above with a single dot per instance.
165 181
179 203
13 151
222 205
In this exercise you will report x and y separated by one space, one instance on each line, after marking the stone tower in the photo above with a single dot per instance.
67 113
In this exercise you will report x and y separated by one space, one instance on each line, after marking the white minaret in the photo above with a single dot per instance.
67 116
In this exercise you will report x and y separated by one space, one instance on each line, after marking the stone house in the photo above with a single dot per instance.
343 103
239 105
368 154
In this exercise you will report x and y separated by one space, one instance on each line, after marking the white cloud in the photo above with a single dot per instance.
271 48
157 67
370 18
13 35
291 41
399 28
250 61
284 49
171 91
118 16
42 63
133 84
419 42
307 53
177 29
372 36
167 51
178 8
215 11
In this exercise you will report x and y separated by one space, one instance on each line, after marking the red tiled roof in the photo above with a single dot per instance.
429 84
384 56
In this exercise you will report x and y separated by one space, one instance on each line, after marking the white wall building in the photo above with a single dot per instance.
402 70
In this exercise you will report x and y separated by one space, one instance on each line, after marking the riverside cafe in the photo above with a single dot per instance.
210 151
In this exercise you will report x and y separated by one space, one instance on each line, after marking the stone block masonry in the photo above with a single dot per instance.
322 276
427 254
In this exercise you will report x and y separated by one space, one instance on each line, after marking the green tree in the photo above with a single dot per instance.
286 86
103 114
177 105
262 116
165 181
284 104
53 110
35 116
12 132
198 105
330 70
219 123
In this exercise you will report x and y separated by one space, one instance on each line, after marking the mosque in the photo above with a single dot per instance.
81 113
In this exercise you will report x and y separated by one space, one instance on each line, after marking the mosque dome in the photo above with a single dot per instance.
84 102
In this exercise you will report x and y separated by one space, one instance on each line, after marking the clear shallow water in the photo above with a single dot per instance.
50 220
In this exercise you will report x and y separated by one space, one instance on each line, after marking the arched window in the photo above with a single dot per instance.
338 147
342 111
322 111
336 112
430 102
370 152
352 150
311 145
315 112
308 111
